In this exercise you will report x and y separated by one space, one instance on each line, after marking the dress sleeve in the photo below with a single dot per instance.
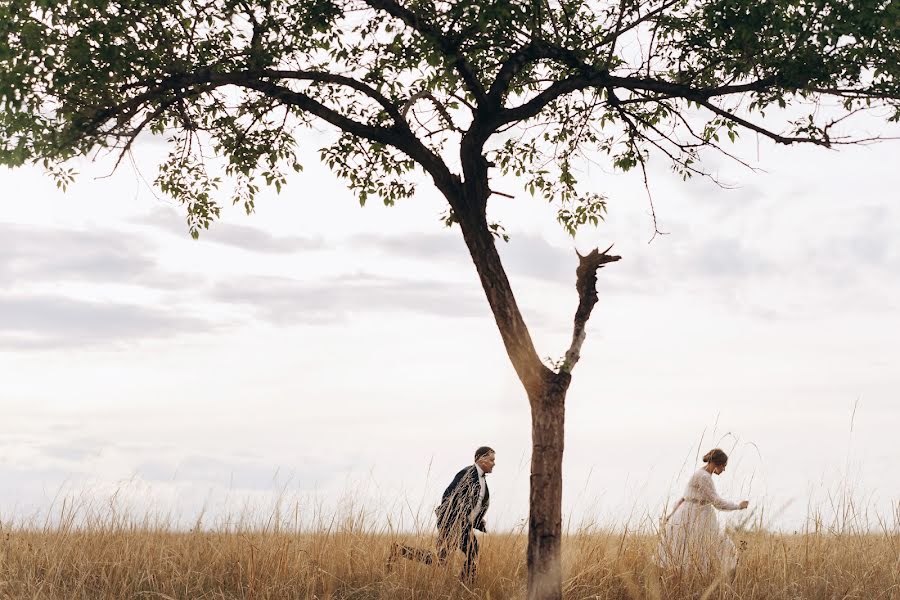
706 491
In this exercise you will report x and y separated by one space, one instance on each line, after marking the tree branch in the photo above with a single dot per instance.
592 77
319 77
448 47
511 67
620 29
759 129
586 284
513 331
536 105
442 110
132 136
685 91
399 135
182 79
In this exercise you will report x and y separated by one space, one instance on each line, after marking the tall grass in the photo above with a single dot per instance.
101 552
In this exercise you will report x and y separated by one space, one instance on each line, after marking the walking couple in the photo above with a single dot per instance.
691 536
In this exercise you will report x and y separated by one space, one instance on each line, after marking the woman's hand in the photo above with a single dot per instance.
744 504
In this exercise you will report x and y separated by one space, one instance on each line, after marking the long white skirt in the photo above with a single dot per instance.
692 539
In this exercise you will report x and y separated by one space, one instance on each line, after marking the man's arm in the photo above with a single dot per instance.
454 499
451 489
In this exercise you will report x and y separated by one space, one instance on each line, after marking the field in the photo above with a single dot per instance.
109 557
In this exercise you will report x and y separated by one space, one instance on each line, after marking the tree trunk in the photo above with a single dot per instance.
546 392
513 331
546 389
545 501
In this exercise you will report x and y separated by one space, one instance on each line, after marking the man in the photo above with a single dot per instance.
461 511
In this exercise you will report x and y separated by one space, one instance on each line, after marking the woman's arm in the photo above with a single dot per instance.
706 492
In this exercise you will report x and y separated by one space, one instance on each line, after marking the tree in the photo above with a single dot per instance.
457 90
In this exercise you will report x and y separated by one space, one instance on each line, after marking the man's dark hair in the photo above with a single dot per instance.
483 451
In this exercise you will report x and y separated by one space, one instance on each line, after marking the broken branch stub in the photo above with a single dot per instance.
586 284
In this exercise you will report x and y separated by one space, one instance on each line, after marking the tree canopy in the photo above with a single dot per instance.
523 85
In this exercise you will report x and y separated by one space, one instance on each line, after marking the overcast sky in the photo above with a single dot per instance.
327 352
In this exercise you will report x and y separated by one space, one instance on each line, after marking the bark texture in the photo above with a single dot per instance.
545 497
586 284
546 389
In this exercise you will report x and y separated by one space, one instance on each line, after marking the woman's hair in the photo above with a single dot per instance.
716 457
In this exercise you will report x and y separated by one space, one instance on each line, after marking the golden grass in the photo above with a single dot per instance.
108 556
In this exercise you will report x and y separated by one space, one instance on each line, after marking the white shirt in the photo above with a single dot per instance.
482 488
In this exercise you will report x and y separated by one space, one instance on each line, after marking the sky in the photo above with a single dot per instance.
340 358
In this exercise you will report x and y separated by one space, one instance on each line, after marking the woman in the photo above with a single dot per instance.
691 536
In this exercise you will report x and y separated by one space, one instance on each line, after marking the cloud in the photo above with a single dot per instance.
726 258
76 450
865 247
235 474
281 300
244 237
41 254
258 240
448 245
40 322
46 479
47 257
525 254
532 256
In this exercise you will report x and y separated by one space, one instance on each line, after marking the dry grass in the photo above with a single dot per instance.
105 556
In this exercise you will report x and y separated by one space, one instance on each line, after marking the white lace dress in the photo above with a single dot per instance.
691 537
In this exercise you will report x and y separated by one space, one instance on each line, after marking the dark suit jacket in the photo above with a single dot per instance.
459 500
